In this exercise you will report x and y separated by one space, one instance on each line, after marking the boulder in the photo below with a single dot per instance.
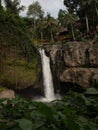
84 77
7 94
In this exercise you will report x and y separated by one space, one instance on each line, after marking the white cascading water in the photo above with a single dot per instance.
47 77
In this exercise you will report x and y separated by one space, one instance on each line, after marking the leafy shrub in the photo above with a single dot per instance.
74 112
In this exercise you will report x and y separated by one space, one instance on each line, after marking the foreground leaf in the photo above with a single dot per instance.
25 124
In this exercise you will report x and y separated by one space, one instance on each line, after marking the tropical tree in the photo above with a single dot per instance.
71 20
72 6
96 6
92 3
86 11
35 12
86 7
51 23
41 26
61 18
0 5
67 19
13 6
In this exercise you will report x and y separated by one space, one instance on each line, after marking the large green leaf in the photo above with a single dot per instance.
25 124
3 99
47 111
3 126
91 91
85 124
72 124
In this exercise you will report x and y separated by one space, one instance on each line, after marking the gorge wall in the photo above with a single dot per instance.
74 63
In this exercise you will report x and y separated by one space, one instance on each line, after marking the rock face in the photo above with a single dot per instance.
82 76
75 62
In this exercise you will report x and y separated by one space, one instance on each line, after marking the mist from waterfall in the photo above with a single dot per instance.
47 77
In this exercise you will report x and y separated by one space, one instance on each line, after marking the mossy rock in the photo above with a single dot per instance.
19 73
2 88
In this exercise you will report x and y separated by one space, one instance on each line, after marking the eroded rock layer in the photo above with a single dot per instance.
75 62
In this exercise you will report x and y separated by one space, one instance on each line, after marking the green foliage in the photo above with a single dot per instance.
87 14
35 10
18 55
74 112
91 91
25 124
16 36
13 6
2 88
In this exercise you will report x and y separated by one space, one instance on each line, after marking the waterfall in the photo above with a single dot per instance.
47 77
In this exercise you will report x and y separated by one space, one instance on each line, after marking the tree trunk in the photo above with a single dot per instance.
87 24
96 9
34 30
52 39
0 3
41 35
73 32
34 25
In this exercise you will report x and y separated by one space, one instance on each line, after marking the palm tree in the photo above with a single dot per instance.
70 19
35 11
87 5
61 18
51 23
96 6
41 25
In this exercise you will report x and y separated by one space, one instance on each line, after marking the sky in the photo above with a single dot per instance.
51 6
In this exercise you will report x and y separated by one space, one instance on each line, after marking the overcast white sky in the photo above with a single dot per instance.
51 6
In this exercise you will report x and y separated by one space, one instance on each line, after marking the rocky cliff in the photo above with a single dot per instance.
74 63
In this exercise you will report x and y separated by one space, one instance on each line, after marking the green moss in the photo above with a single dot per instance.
18 72
2 88
18 77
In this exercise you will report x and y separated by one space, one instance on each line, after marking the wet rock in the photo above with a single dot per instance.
75 62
